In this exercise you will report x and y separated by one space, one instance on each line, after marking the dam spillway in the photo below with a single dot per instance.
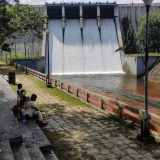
87 49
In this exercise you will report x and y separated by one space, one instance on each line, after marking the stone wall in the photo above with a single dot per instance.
129 16
36 64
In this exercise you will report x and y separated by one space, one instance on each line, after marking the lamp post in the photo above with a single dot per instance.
144 113
26 72
48 84
10 50
15 49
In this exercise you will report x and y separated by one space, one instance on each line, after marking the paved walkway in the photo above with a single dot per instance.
82 133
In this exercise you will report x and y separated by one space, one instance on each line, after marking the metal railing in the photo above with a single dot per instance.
122 110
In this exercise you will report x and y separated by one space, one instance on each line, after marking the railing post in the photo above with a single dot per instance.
61 85
101 103
55 81
87 96
68 88
120 110
77 90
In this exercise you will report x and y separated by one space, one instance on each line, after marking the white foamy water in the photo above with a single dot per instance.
91 57
73 57
92 47
56 46
112 60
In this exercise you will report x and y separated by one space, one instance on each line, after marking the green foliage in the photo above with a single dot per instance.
16 57
5 18
6 47
54 91
19 20
29 20
128 43
41 84
153 33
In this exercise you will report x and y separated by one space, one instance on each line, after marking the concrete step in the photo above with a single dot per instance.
20 152
10 94
5 151
36 154
9 129
49 155
33 137
4 108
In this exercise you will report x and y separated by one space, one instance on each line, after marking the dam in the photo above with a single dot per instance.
83 39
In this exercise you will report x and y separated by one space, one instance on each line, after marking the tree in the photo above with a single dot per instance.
19 20
128 43
153 33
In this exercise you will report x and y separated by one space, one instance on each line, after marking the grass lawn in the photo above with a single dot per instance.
17 56
39 83
142 55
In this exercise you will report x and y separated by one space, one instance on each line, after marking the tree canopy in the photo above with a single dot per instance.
19 20
153 34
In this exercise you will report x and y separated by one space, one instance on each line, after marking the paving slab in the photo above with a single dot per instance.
36 154
33 137
20 152
5 151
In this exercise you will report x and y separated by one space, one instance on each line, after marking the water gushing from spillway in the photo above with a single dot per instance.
94 54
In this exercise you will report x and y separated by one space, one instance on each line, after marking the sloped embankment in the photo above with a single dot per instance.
154 74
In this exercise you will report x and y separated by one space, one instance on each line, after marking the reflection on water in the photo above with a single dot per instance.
120 84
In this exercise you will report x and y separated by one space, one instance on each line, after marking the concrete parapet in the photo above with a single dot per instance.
134 65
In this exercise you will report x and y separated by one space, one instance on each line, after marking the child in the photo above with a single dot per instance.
19 86
23 99
31 111
18 108
19 93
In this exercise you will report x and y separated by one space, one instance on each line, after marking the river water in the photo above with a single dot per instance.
121 85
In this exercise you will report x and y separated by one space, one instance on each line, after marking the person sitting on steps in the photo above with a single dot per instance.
20 101
23 99
31 111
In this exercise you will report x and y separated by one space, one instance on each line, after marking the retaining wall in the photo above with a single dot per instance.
36 64
135 65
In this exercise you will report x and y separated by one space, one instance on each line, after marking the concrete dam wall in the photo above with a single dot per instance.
130 14
83 39
127 15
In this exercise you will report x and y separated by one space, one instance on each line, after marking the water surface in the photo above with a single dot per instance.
121 85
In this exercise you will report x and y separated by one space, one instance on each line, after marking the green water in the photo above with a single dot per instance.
119 84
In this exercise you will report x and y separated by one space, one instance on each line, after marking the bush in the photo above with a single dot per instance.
153 33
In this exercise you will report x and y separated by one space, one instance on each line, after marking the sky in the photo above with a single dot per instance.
38 2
